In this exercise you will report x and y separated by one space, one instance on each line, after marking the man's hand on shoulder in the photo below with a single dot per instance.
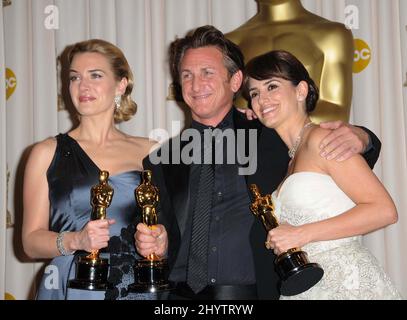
343 142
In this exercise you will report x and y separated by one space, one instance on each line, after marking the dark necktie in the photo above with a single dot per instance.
197 271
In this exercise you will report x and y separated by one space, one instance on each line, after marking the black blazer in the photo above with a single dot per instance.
173 180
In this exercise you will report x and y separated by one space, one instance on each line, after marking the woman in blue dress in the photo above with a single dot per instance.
61 171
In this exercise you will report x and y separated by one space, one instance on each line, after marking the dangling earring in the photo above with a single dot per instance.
117 102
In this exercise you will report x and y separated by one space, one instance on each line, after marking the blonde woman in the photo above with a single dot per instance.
62 170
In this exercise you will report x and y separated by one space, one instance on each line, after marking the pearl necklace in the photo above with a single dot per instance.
293 149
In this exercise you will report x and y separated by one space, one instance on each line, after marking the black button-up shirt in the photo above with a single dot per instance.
230 259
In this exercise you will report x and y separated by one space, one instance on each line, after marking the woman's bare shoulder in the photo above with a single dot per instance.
142 144
42 152
311 149
45 147
315 137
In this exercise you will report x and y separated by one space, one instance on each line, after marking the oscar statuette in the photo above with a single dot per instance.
297 274
92 270
152 272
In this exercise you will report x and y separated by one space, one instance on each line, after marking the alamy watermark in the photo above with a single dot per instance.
351 13
51 280
51 21
213 146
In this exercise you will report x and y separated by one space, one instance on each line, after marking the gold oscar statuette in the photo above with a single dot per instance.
151 273
92 270
297 274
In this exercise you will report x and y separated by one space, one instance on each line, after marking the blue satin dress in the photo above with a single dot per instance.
70 177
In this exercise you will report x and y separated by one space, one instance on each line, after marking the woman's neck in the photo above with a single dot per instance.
279 10
289 132
95 131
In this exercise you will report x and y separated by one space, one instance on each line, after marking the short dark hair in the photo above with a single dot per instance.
280 64
205 36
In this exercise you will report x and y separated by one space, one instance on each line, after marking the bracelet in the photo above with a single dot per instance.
60 244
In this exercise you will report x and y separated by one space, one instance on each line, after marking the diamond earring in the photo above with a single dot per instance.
117 102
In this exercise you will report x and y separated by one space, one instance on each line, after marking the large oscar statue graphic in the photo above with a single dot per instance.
297 274
92 270
325 48
151 273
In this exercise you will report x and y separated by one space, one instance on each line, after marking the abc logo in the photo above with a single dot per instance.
11 83
362 56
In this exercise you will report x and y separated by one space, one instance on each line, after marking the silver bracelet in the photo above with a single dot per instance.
60 244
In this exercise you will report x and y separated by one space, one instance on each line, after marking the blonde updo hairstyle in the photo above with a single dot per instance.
120 68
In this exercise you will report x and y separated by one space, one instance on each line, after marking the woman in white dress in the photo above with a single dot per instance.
323 206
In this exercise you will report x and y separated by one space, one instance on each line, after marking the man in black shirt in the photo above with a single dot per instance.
234 263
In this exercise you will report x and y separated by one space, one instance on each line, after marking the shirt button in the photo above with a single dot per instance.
220 195
213 280
214 249
217 218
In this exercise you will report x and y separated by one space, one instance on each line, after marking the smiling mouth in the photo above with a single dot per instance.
268 110
86 99
204 96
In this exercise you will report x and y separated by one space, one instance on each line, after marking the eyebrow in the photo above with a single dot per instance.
89 71
265 84
203 68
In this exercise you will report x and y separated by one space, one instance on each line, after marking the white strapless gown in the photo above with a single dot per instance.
350 270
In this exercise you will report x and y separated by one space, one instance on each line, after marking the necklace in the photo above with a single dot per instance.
293 149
